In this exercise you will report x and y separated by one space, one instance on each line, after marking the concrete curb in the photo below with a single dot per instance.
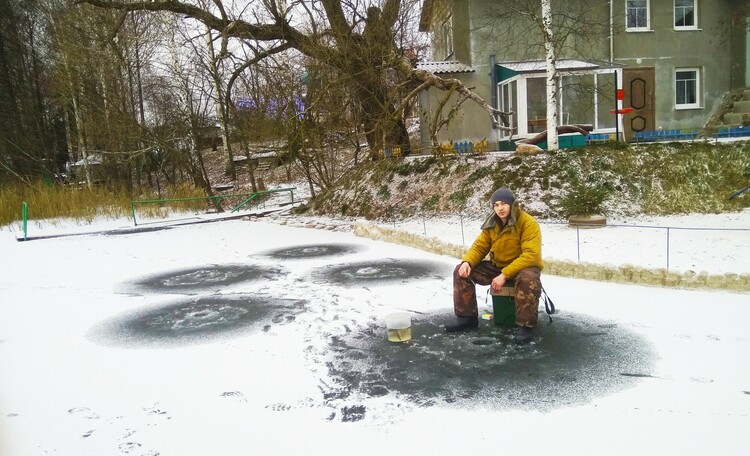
627 274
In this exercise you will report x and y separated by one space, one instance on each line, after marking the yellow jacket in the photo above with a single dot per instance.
517 246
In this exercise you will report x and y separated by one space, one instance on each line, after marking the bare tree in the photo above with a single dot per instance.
191 113
31 140
360 45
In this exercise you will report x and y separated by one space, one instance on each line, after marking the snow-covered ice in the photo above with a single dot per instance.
238 337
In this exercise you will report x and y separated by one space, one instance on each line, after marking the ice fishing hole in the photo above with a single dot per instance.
385 270
314 251
196 320
202 278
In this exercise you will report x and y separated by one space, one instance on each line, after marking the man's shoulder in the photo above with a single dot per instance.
527 219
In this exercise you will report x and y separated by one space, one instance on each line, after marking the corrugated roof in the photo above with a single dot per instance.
445 67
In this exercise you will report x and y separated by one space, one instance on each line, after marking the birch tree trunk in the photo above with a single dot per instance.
549 50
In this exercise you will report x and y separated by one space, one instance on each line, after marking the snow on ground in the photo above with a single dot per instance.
239 337
714 243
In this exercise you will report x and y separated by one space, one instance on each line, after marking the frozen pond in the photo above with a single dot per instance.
223 338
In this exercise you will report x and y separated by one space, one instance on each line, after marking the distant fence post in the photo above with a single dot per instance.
463 239
24 217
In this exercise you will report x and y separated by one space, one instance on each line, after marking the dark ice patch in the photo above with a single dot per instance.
195 320
202 279
313 251
564 366
385 270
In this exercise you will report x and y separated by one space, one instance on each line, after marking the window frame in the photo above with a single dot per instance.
647 27
694 25
507 99
698 85
446 30
520 120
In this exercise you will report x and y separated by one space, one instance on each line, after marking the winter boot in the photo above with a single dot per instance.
523 335
463 323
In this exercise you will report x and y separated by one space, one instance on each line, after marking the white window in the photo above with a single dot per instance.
508 94
685 15
687 88
637 15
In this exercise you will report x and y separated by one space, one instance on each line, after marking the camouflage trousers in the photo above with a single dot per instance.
528 290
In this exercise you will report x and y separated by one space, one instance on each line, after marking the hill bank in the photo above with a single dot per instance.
610 179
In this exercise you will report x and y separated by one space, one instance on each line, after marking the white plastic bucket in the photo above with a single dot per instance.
399 326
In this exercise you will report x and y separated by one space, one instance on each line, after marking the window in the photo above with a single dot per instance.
577 104
684 15
605 100
508 94
687 88
536 104
446 31
637 14
587 99
584 96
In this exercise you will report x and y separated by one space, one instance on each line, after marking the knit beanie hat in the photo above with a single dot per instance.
502 194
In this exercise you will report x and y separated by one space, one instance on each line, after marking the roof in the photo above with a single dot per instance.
441 67
93 159
537 66
507 70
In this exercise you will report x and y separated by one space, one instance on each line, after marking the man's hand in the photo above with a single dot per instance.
498 282
464 270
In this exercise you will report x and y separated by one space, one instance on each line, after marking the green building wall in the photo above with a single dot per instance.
720 51
711 47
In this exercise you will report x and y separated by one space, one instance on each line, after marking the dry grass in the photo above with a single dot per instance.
85 204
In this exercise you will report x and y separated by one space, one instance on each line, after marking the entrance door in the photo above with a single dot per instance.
639 85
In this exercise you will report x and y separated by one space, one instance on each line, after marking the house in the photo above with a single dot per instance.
673 61
77 170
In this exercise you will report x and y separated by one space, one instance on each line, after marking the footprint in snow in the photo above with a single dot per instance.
85 412
155 410
128 447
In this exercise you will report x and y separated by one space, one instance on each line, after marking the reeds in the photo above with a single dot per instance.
47 201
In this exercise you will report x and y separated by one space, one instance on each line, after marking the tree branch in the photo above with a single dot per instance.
499 118
237 72
234 28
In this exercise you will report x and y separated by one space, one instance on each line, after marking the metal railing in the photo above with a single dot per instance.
652 251
25 218
667 229
249 197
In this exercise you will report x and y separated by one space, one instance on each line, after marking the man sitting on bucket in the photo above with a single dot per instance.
513 240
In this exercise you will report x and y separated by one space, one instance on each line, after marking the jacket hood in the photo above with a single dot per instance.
491 220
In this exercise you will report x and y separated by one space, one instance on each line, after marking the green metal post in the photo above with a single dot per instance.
132 211
25 217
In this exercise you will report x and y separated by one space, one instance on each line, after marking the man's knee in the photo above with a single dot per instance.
528 280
